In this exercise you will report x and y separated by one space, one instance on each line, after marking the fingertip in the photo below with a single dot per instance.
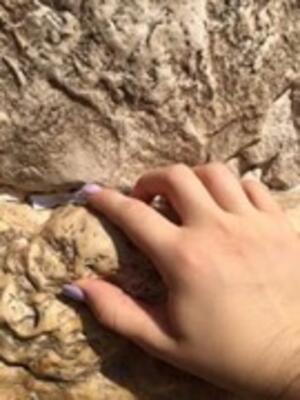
120 313
96 294
91 188
98 291
89 287
109 304
88 192
73 292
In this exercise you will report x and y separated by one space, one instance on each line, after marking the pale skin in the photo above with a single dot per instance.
232 269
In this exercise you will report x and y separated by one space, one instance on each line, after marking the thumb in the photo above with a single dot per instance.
119 312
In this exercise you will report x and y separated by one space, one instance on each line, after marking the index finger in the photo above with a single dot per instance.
148 230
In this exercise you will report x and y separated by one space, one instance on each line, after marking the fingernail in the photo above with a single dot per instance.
86 190
91 188
73 292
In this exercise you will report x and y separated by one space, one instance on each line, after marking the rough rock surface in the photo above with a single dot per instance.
52 348
102 90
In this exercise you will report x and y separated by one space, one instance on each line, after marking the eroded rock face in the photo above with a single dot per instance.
102 90
52 348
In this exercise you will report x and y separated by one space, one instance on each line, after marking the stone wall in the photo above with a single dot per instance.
102 90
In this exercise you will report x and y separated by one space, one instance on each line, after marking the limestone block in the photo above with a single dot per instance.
102 91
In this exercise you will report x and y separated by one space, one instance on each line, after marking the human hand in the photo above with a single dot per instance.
232 269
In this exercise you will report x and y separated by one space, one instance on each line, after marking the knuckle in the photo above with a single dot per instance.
130 206
252 185
141 182
187 256
225 227
176 170
248 184
278 228
214 170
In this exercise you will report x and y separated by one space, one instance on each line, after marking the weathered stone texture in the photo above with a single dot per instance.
51 348
102 90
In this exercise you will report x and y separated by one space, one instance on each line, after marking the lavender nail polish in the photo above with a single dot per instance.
91 188
73 292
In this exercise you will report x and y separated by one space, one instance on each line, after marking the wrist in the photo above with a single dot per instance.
291 388
277 376
287 379
292 392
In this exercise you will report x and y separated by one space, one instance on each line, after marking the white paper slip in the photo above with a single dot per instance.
44 201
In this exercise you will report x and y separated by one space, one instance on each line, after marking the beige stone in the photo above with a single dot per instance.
51 347
104 90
